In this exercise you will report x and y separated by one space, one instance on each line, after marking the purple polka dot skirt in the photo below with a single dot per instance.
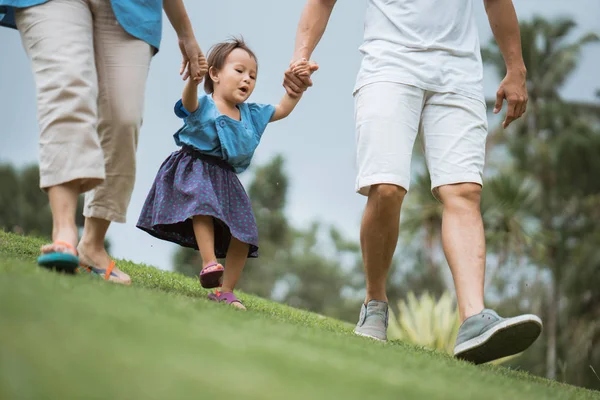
189 183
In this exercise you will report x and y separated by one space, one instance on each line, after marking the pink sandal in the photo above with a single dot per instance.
211 279
228 297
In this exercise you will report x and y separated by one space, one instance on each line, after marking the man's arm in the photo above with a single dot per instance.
513 88
194 63
311 27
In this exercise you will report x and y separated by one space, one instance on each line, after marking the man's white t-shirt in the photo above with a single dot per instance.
430 44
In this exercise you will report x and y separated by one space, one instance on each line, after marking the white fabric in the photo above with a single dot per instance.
389 116
431 44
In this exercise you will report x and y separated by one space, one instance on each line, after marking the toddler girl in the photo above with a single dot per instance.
197 199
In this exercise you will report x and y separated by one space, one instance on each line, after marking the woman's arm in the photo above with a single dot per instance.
194 63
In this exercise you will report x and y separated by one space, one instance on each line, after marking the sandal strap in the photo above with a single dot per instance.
109 270
228 297
65 244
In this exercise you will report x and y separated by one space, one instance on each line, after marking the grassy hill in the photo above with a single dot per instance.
64 337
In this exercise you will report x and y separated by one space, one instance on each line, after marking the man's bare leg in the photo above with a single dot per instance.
379 236
484 335
378 239
464 244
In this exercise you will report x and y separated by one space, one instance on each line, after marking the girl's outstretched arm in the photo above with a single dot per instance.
287 104
285 107
189 98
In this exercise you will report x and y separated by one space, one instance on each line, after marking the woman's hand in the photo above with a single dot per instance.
193 62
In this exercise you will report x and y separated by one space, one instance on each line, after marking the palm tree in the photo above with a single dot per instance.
541 145
506 204
422 219
581 286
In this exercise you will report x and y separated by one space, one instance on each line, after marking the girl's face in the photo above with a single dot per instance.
236 80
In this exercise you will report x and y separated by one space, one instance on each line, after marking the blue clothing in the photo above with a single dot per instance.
140 18
218 135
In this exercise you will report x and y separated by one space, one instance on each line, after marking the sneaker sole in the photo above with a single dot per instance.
370 337
505 339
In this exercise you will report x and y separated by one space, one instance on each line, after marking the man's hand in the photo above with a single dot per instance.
297 77
193 62
513 88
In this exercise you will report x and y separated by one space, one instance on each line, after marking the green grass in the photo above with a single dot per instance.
64 337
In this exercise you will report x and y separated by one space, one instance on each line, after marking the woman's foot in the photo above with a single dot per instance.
60 255
98 258
63 203
64 237
59 246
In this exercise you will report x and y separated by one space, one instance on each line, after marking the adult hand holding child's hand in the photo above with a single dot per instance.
194 63
297 77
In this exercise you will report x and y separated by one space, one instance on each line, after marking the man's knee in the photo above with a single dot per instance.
387 193
462 195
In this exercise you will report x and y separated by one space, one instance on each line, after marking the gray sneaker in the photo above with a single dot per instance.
486 336
373 321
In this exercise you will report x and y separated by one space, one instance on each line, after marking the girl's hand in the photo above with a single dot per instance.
301 67
297 77
193 63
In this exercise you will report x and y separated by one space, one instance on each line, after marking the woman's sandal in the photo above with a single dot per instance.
59 260
228 297
107 273
211 279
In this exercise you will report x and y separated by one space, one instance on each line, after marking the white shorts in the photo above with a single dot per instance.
388 117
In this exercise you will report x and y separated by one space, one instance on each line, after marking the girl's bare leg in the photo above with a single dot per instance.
237 253
205 238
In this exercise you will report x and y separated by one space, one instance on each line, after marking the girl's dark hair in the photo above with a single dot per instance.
217 56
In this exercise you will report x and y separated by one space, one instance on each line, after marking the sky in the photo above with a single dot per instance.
317 139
